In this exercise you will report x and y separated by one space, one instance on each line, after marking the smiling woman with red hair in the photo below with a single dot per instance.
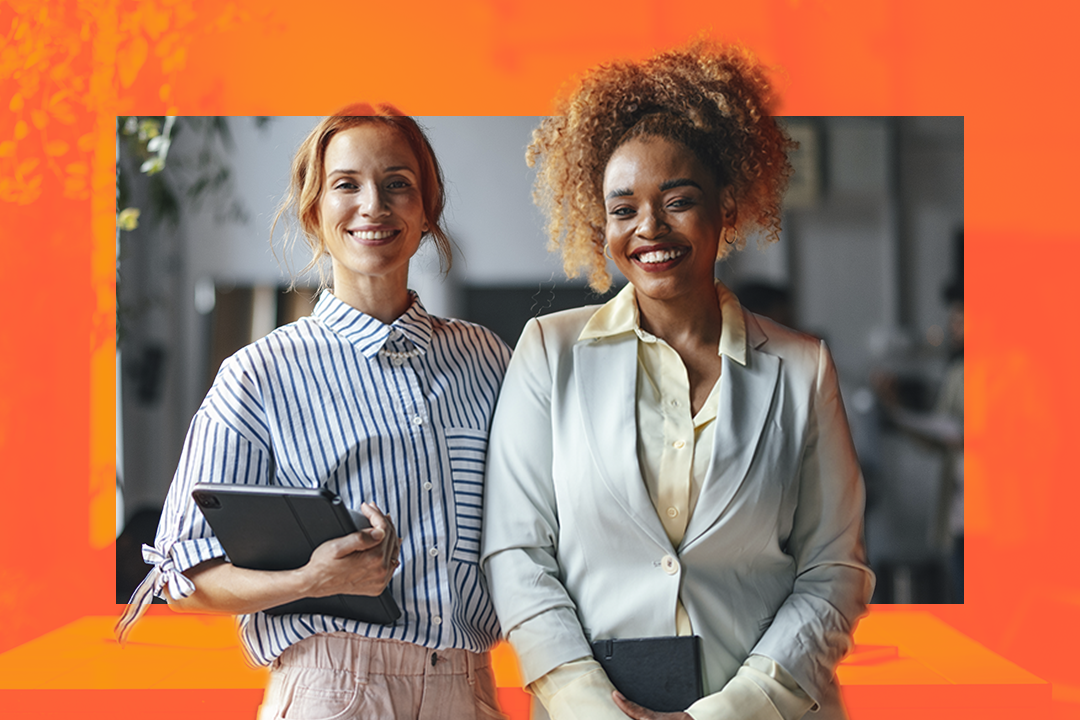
669 464
381 403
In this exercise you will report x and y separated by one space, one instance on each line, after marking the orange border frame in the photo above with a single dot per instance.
67 69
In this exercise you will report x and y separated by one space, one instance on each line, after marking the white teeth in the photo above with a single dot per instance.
372 234
659 256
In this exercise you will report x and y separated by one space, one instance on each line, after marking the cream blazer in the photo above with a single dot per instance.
772 562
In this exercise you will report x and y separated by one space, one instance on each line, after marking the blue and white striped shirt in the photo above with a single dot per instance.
396 415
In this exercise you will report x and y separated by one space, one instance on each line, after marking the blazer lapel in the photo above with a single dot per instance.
607 385
746 394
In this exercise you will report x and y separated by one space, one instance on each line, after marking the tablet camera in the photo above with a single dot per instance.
207 501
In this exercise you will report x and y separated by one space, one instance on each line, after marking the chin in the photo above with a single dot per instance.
660 288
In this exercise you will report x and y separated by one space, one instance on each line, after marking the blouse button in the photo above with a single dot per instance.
670 564
433 551
672 512
436 620
678 444
427 486
398 361
417 420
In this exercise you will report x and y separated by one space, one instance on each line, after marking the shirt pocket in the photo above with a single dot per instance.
467 449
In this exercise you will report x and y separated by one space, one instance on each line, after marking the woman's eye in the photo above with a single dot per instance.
397 184
345 185
622 211
679 202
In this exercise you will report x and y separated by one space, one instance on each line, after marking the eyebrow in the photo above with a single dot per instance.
666 185
678 182
393 168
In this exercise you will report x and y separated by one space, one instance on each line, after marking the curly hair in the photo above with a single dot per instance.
714 99
308 174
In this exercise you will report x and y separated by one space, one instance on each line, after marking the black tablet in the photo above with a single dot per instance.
268 527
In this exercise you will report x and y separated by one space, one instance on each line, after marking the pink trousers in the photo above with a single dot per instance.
342 676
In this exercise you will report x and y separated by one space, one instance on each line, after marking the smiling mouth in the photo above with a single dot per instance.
655 257
372 234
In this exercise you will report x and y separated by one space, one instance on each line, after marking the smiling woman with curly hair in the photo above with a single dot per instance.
668 464
714 100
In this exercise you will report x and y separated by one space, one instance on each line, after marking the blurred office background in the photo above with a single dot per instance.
870 244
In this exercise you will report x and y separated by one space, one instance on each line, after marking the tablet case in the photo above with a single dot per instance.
276 528
661 674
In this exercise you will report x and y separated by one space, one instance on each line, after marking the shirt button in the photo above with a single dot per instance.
678 444
674 403
436 620
433 551
417 420
398 361
427 486
670 565
672 512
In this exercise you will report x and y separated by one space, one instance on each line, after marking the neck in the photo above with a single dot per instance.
383 298
691 318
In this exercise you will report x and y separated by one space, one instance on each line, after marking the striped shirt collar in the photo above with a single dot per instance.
620 315
369 334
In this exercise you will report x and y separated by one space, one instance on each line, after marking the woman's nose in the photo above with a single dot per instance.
371 202
651 224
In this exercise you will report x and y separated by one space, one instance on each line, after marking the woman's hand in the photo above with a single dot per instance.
360 563
637 712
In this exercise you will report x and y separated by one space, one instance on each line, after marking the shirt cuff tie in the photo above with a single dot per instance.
163 573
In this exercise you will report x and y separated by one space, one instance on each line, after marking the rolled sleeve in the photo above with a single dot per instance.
213 452
216 449
577 690
760 690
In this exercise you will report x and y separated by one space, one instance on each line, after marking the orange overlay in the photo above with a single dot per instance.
67 69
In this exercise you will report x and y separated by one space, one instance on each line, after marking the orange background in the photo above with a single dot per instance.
68 68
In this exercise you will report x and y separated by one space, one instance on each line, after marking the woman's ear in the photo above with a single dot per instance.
728 206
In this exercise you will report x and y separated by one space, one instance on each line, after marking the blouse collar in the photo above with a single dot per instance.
621 315
370 335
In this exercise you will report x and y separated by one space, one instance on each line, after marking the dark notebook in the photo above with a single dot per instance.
662 674
276 528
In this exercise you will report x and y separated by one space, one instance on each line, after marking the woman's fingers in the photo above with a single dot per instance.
632 709
392 550
380 524
338 566
383 528
382 532
360 563
359 541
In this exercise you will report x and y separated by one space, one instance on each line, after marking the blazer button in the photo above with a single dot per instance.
670 564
